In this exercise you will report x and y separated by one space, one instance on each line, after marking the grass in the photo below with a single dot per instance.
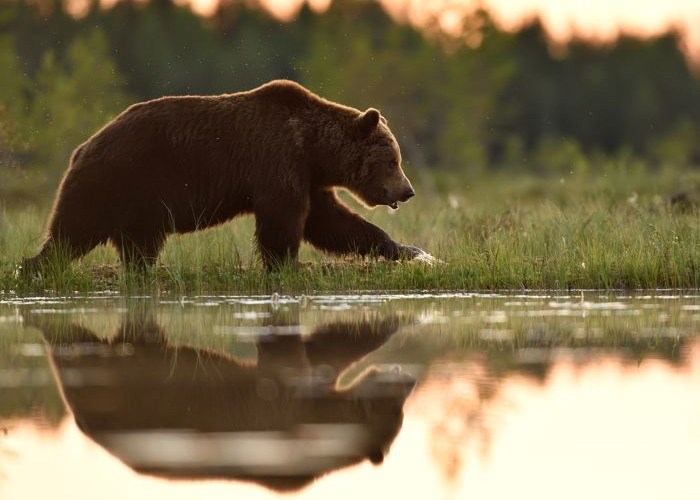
615 229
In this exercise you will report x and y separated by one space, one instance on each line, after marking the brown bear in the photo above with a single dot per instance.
178 164
179 412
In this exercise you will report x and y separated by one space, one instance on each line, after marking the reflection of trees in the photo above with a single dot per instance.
456 396
459 389
467 360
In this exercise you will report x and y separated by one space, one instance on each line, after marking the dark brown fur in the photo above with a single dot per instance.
178 164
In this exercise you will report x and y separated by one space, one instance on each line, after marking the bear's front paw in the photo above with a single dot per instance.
407 252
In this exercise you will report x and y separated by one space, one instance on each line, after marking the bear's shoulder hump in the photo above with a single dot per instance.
284 92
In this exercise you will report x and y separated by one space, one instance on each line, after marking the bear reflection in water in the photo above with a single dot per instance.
180 412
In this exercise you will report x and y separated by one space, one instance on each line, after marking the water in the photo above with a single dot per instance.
366 396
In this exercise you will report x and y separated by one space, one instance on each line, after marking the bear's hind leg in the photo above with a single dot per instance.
138 252
58 252
76 225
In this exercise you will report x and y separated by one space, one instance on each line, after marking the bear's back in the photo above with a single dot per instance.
284 93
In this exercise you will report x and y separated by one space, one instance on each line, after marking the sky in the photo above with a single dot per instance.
597 20
600 20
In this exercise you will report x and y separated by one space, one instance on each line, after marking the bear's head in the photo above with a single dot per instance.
376 175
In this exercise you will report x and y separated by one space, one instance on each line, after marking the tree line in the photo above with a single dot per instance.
484 100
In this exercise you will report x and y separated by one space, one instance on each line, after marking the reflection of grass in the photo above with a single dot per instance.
504 335
606 232
433 324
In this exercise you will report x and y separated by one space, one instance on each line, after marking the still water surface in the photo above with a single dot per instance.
366 396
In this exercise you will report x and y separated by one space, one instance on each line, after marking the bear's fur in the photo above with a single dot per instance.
135 387
178 164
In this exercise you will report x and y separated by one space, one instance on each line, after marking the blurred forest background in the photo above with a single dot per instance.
476 102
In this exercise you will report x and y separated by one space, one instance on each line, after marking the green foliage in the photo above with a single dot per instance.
13 100
42 119
441 103
74 96
563 156
679 146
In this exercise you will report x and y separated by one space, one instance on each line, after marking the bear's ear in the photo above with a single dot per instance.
368 121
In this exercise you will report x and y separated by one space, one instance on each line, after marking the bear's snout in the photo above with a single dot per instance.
400 190
407 194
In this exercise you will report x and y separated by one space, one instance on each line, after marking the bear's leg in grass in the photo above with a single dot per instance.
138 251
58 251
333 227
71 234
279 229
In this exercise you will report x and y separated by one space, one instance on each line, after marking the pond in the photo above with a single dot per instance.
586 395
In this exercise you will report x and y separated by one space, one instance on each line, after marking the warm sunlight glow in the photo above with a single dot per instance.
600 20
584 434
282 9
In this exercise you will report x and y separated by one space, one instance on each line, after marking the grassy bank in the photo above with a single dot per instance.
613 230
